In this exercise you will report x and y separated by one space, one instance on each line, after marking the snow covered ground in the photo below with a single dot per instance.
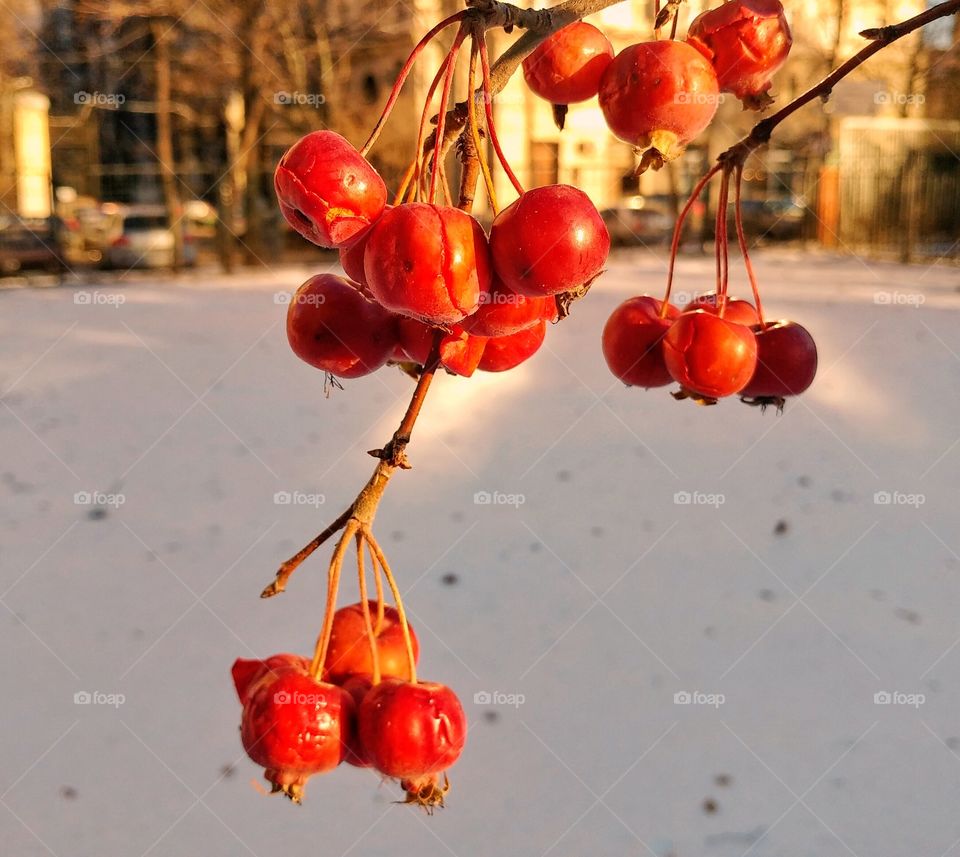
782 601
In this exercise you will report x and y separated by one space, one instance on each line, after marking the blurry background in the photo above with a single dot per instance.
149 131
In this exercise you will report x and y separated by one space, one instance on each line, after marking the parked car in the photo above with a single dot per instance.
636 223
778 219
139 236
30 243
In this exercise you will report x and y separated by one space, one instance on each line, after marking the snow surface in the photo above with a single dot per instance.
597 599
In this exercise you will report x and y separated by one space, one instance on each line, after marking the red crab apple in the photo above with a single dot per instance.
429 262
295 726
786 362
738 310
413 732
358 686
746 41
550 240
349 650
506 352
633 341
247 672
566 66
709 355
659 96
333 327
504 311
460 352
327 190
351 258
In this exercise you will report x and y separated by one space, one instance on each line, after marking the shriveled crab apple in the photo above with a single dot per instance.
295 726
746 41
327 190
429 262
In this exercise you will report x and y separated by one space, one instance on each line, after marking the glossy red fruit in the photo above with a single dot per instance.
349 650
460 352
659 95
746 41
567 66
358 686
709 355
327 190
295 726
351 258
786 361
411 730
506 352
429 262
333 327
633 342
740 311
247 672
550 240
504 311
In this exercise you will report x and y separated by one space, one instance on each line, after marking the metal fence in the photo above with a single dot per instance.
899 187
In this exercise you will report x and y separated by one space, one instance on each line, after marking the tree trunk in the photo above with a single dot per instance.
171 195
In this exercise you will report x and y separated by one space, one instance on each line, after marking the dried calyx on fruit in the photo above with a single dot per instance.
658 96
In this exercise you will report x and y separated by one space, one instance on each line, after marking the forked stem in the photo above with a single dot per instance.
677 230
333 587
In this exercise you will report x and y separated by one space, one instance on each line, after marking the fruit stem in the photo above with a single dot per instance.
488 107
418 154
474 128
450 66
402 77
333 586
742 241
378 583
397 600
677 229
405 183
720 242
367 623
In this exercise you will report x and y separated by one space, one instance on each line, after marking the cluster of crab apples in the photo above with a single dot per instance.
301 719
418 270
659 95
715 347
